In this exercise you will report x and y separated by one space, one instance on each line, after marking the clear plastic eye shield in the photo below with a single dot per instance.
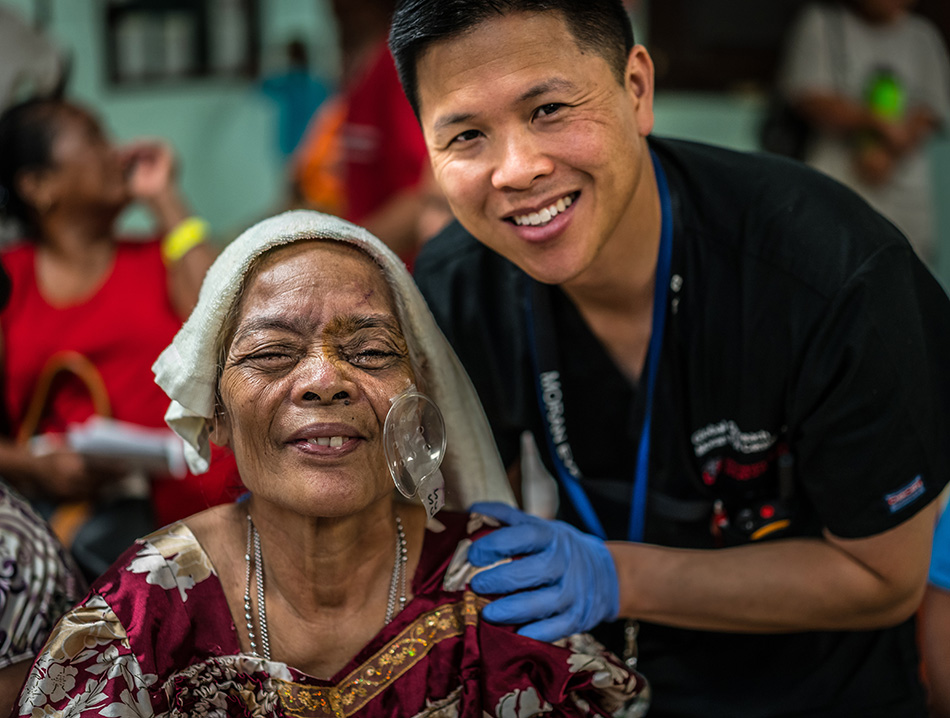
414 442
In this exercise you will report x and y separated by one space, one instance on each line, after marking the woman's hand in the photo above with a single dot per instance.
151 171
904 136
874 164
150 168
65 475
563 582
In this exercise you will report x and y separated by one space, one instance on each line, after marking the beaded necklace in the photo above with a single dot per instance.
255 564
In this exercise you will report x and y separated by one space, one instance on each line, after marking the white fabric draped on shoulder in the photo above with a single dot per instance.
186 368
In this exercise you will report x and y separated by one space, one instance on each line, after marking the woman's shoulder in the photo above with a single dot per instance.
139 257
159 609
130 632
139 271
143 248
170 557
516 675
444 562
169 560
166 589
449 528
18 255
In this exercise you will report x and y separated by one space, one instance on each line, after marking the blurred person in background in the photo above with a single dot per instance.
297 94
872 79
39 581
434 212
363 158
31 65
88 314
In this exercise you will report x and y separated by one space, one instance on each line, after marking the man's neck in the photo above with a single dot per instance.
624 287
615 294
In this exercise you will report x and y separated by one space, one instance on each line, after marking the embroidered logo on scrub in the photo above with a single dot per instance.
554 406
727 433
900 498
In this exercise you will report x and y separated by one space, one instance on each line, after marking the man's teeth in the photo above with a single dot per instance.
328 440
546 214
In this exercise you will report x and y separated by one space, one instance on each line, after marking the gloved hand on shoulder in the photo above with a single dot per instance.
564 581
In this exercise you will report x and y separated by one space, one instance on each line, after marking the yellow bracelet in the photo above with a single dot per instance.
183 238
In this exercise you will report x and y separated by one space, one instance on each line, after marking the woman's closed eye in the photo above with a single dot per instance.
269 358
373 357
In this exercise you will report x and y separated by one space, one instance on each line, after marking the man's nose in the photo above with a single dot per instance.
521 160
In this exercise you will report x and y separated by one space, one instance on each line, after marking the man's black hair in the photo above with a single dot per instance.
601 26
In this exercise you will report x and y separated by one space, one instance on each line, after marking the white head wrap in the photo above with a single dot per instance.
186 369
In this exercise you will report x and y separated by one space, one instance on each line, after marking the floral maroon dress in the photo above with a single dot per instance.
155 638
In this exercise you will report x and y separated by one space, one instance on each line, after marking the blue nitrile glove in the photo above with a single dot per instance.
571 574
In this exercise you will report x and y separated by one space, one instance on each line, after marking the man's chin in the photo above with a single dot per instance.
552 275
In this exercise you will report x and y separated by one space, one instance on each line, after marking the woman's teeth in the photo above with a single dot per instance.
328 440
545 215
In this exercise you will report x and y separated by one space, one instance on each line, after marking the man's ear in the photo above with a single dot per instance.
639 86
219 428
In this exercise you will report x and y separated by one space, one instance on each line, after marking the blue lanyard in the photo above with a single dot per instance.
549 393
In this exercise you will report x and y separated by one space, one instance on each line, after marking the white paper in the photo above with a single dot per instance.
137 447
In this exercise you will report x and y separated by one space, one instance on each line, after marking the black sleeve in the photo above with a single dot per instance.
474 295
872 401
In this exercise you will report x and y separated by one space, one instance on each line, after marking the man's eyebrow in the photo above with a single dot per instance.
554 84
454 119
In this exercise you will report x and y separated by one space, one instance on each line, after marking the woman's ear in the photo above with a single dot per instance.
219 428
35 189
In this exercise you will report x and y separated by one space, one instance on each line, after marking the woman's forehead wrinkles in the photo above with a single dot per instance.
299 324
353 323
266 323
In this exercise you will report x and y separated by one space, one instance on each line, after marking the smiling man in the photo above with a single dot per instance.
735 368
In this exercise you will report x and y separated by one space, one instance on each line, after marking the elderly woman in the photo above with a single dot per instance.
38 582
322 594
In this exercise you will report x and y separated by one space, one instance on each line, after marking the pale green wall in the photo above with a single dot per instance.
224 131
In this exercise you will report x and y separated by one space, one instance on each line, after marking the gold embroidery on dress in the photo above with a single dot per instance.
389 663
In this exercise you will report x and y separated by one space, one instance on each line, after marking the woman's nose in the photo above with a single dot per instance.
343 396
323 379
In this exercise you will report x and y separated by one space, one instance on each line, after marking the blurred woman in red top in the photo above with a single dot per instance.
100 306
